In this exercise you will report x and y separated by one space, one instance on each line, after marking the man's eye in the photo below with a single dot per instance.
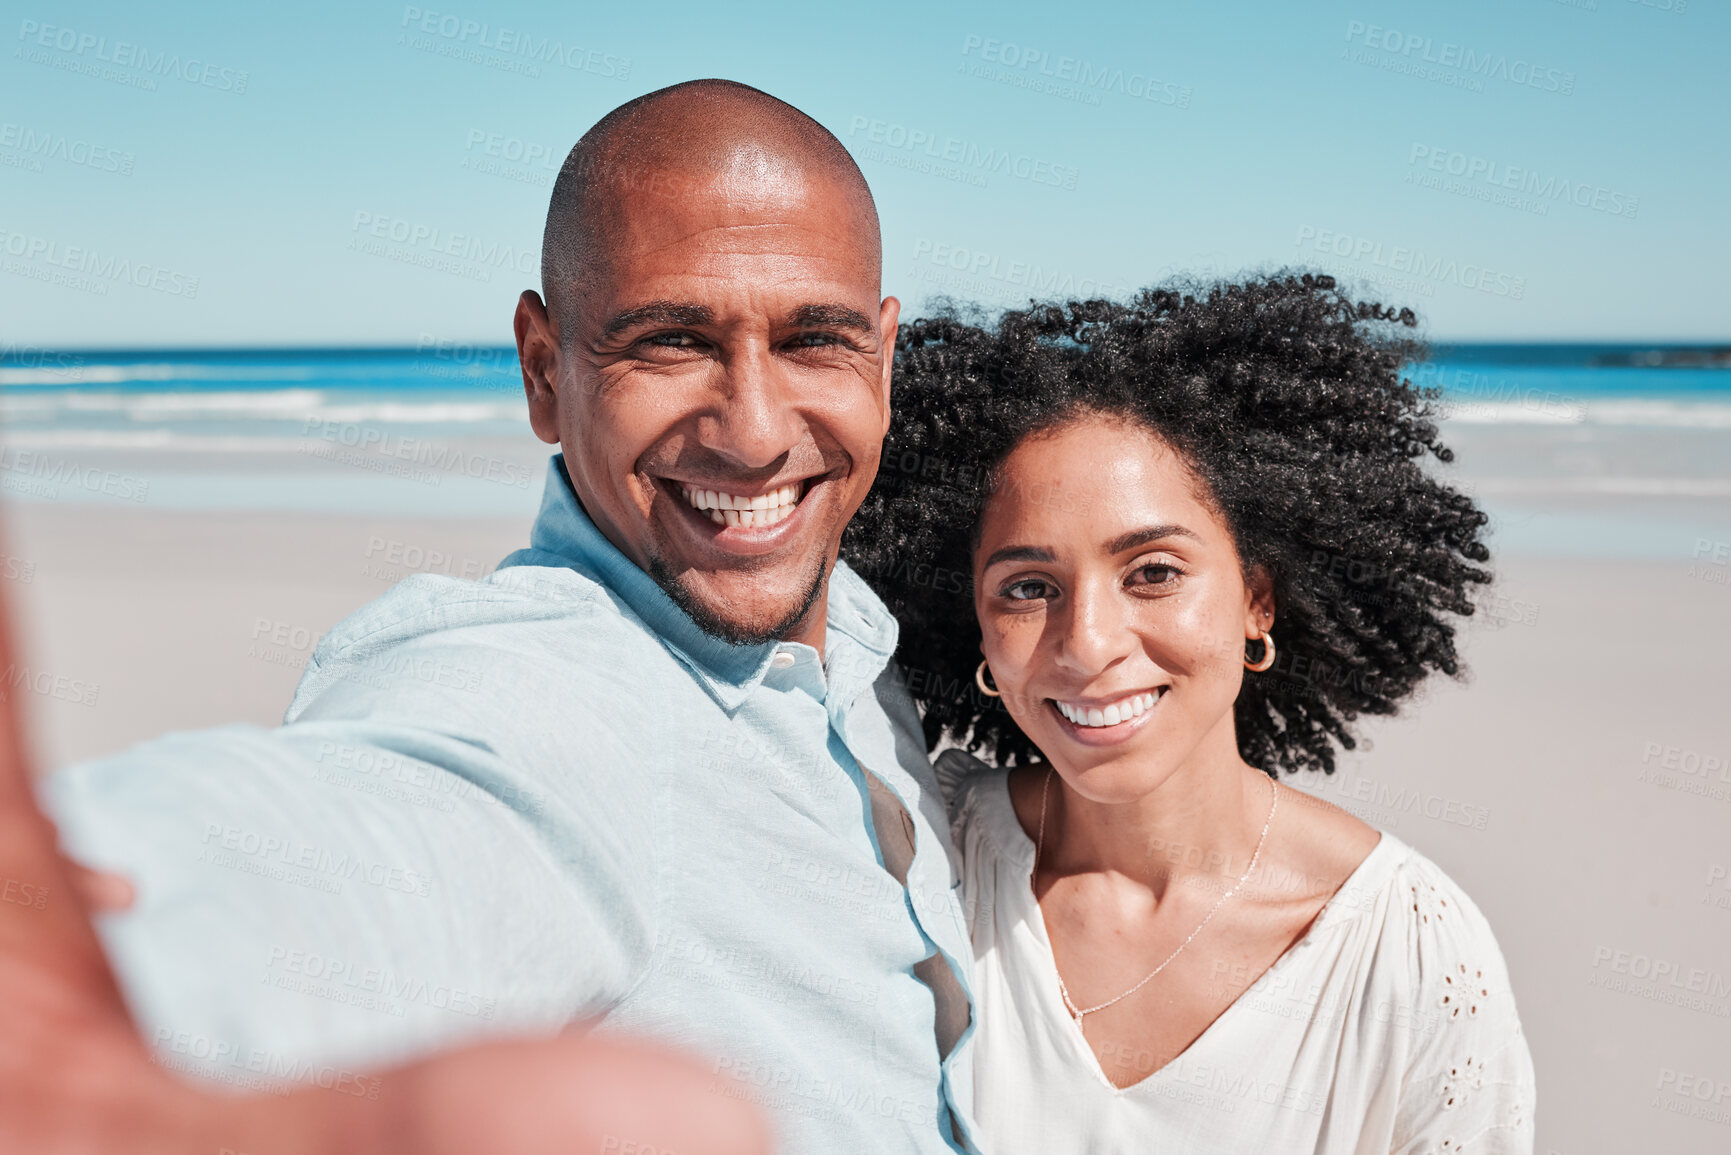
1028 590
813 340
673 340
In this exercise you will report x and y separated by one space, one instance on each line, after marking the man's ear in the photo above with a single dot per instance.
538 354
889 321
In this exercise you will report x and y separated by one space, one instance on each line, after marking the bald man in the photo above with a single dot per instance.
656 775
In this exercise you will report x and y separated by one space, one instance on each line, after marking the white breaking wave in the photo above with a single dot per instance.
1487 413
271 405
1613 411
278 403
74 375
1608 486
1670 414
409 413
149 439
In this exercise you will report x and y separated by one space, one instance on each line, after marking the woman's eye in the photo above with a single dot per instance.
1155 575
1030 590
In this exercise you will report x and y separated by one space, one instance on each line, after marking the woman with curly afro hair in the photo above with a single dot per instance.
1147 557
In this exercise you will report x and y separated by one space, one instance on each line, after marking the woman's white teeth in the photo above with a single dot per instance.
755 511
1122 710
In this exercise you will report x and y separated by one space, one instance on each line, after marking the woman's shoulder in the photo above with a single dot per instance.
982 818
967 782
1436 950
1468 1071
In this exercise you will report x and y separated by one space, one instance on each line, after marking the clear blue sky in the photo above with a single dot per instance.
1579 188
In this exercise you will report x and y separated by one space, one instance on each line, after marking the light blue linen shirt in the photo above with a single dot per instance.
544 797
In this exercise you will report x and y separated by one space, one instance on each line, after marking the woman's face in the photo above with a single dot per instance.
1113 608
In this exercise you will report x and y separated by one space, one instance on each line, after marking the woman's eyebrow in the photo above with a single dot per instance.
1141 537
1018 553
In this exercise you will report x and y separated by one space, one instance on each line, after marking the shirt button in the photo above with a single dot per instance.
782 660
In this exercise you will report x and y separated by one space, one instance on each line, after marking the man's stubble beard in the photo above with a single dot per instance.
731 632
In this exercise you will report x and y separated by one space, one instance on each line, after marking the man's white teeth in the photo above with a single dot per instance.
1122 710
755 511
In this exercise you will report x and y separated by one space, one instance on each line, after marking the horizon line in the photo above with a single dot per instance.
15 349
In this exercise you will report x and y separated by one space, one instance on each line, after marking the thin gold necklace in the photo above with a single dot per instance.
1040 844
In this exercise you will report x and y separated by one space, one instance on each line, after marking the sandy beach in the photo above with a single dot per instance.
1577 785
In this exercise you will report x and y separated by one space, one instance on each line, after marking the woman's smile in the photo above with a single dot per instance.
1109 721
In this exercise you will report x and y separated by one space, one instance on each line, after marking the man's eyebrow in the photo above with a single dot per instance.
1140 537
1018 553
830 317
659 313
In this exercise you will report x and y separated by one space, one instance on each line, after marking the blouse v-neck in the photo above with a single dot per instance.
1005 830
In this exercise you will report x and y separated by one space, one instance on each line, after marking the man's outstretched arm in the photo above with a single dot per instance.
76 1078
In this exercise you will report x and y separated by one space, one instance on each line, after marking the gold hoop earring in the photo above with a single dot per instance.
1267 654
980 681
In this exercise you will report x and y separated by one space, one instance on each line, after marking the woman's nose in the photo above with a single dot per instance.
1096 633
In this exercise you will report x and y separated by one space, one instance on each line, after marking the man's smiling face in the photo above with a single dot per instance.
720 386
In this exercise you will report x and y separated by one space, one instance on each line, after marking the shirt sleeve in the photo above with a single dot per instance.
1469 1085
397 870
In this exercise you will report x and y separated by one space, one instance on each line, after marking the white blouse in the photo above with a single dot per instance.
1389 1027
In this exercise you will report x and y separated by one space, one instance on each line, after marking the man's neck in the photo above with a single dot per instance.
810 630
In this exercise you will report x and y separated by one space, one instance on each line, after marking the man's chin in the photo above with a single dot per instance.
752 619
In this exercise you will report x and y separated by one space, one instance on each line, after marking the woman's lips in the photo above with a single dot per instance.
1104 723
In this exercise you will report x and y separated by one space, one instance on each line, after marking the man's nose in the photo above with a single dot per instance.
756 420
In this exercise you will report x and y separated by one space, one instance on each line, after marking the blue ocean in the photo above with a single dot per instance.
1569 445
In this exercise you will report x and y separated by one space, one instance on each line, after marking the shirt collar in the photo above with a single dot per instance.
728 673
